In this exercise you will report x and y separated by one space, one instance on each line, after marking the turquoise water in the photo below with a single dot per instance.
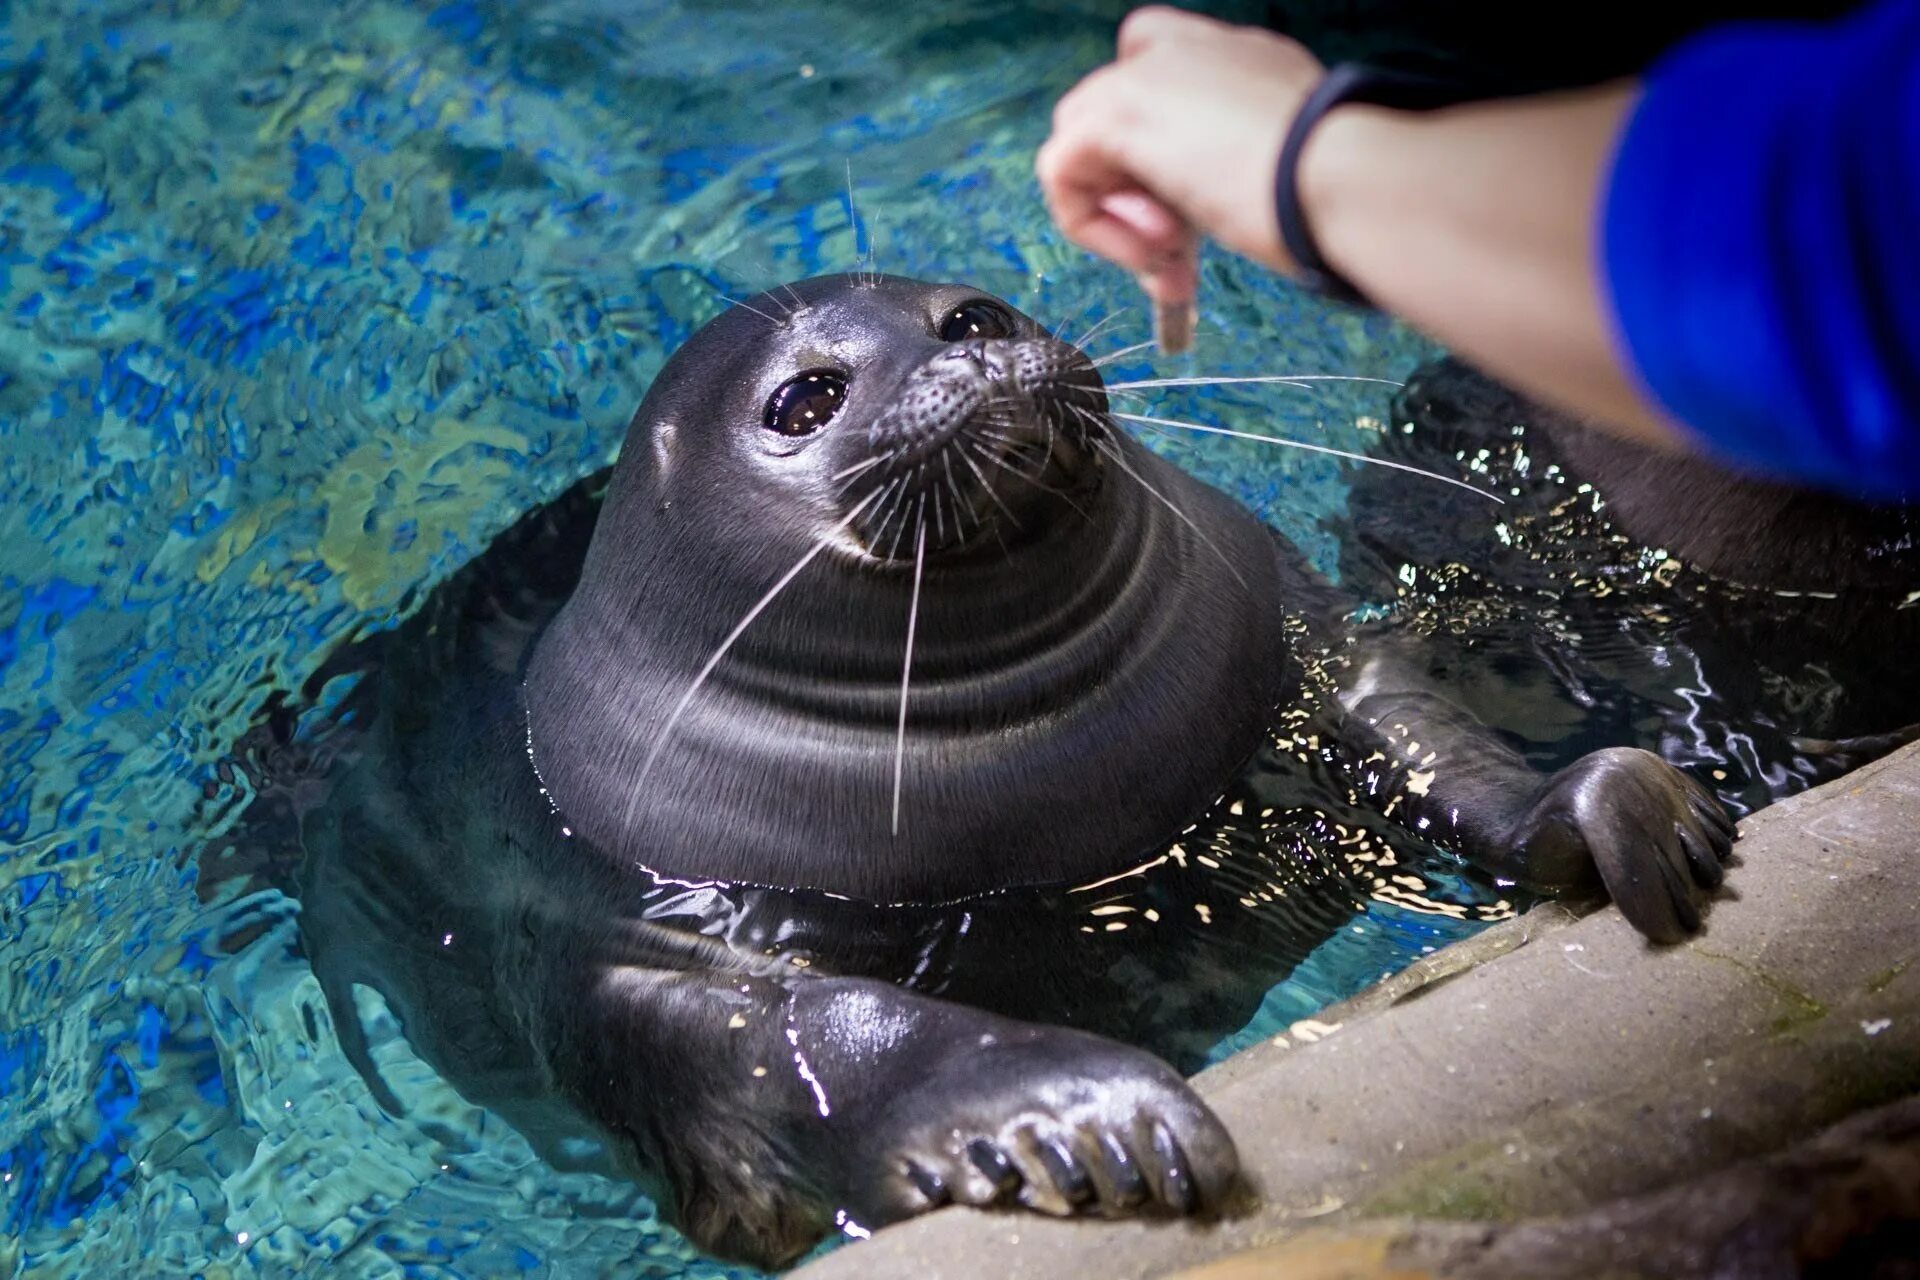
303 305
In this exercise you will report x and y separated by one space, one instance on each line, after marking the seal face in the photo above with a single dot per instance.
895 499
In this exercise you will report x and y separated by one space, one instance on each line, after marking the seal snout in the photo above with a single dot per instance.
984 441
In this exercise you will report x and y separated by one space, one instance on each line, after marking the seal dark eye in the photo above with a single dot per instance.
805 403
976 320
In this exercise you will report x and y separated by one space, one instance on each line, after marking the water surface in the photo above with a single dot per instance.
303 304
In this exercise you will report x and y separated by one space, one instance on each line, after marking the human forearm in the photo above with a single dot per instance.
1476 224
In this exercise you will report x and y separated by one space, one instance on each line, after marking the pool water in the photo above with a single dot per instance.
305 304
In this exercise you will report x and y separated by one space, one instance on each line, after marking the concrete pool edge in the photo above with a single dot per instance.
1549 1064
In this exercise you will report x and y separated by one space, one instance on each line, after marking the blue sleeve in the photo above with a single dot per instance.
1760 244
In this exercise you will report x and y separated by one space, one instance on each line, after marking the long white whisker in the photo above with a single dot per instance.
986 484
853 223
1286 378
994 459
953 487
896 492
1111 356
1113 454
1020 445
906 667
845 485
1313 448
686 699
757 311
857 468
1088 336
919 511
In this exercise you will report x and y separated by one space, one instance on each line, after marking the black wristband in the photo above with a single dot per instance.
1347 82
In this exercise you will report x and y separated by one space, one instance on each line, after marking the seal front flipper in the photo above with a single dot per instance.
1656 837
760 1108
1651 836
993 1111
1834 757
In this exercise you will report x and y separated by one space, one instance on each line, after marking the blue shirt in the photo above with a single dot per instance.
1761 246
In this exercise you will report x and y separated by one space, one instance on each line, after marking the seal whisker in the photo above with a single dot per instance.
919 514
1284 378
953 488
865 274
1037 483
778 324
985 484
973 509
873 253
857 468
994 458
1006 406
1047 419
739 629
1086 415
840 490
897 488
1018 446
1088 336
1093 426
1111 356
1112 453
1002 428
963 508
891 493
906 666
1066 320
853 224
1136 398
1312 448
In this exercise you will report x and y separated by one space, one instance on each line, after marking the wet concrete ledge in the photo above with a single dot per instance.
1548 1064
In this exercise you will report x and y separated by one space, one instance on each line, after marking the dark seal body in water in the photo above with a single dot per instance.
778 832
1768 630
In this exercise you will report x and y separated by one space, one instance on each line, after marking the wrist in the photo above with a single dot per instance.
1332 108
1344 171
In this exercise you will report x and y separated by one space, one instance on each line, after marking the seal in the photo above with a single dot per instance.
1069 635
1790 611
882 612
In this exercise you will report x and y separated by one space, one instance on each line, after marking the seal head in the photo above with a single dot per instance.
1096 639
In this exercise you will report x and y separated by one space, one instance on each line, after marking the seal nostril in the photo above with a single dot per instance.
990 358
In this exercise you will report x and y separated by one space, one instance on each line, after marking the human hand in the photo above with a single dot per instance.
1176 138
